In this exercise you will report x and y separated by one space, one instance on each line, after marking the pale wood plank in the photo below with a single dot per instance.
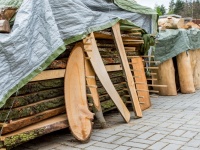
129 77
49 74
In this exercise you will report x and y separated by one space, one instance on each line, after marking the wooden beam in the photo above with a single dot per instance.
130 81
49 74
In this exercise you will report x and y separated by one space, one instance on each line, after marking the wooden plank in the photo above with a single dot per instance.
129 77
103 76
35 130
89 71
18 124
49 74
111 68
79 116
137 63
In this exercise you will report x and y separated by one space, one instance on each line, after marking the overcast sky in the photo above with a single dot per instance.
152 3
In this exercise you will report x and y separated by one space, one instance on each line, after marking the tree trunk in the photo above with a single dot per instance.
166 76
185 73
195 64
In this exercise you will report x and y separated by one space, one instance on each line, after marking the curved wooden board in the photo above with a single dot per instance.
91 48
78 113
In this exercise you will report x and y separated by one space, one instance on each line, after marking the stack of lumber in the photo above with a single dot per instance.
115 77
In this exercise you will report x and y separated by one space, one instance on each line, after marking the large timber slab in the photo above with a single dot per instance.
78 113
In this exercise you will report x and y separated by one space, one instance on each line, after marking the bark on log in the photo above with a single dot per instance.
18 124
166 76
195 64
33 97
32 87
119 86
171 23
185 73
114 81
34 131
58 64
31 109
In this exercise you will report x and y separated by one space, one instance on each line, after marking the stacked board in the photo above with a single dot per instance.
39 107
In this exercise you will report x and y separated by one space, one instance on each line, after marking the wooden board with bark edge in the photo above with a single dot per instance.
33 131
94 56
137 64
127 70
79 116
20 123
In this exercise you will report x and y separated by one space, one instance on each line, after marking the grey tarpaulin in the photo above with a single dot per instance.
175 41
43 27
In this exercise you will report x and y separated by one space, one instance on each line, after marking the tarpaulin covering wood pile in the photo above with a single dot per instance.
42 28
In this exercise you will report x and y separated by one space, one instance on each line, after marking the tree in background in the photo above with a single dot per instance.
185 8
179 5
171 7
160 9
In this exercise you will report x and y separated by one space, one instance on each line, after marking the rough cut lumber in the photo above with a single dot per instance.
137 63
102 74
94 93
166 76
32 87
78 113
127 71
18 124
171 23
195 64
31 109
49 74
185 73
34 131
23 100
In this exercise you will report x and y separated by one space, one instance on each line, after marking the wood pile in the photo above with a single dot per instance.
175 23
39 107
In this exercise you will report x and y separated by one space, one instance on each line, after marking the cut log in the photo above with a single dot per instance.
195 64
127 71
31 109
18 101
171 23
18 124
166 76
34 131
78 114
185 73
102 74
137 63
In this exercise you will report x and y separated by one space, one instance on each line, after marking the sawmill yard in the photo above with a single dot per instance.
173 122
